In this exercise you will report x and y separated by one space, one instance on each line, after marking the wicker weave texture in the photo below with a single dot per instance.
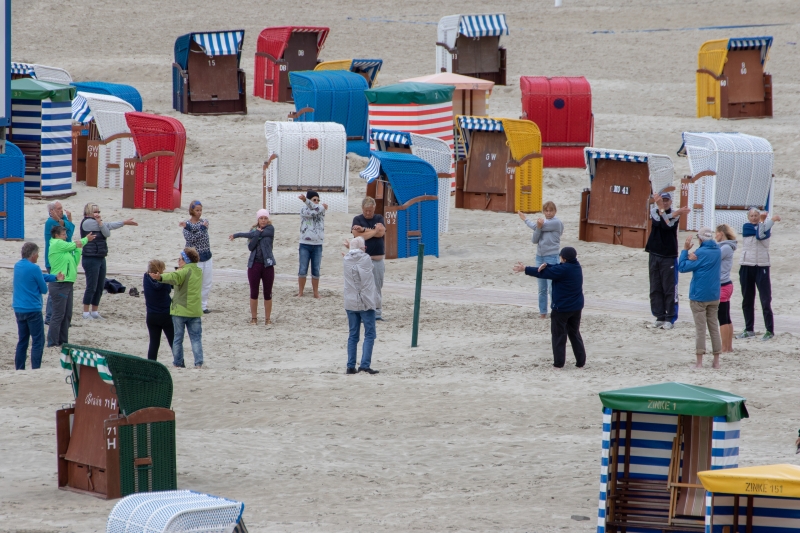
12 195
154 133
563 157
438 154
712 56
335 96
125 92
140 383
177 511
273 41
446 32
524 138
52 74
155 441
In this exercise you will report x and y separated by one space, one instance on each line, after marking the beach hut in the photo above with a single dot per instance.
100 159
730 173
502 170
302 156
434 151
206 78
470 45
731 78
367 68
154 178
755 499
413 107
282 50
656 439
333 96
615 209
12 193
40 72
562 108
176 511
118 438
405 188
124 92
41 124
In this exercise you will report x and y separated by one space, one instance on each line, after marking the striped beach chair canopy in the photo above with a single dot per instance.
384 139
660 166
752 43
213 43
23 69
468 124
483 25
409 175
80 110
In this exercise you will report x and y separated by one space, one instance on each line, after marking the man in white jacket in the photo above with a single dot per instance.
360 298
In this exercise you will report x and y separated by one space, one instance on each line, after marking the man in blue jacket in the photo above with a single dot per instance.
566 304
704 264
29 285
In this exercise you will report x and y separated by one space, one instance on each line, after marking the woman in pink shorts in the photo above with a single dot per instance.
726 238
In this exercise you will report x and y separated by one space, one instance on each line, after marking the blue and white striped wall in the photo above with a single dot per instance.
770 515
48 123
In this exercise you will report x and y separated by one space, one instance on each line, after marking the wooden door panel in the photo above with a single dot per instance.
301 51
212 78
478 54
486 167
745 76
618 208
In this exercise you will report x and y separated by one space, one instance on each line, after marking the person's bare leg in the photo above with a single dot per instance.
267 311
716 361
699 361
254 309
727 338
543 316
85 308
94 308
301 283
315 286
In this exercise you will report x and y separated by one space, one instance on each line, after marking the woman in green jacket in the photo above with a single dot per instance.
64 257
187 305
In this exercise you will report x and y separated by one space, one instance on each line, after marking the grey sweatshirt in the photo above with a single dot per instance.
726 248
547 238
105 229
359 283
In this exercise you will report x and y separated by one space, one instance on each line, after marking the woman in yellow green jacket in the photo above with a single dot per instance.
187 305
64 257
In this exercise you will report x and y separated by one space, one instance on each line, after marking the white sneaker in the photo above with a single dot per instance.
668 325
88 316
657 324
96 316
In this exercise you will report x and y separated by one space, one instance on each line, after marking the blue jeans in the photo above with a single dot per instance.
29 325
545 285
310 253
194 326
355 318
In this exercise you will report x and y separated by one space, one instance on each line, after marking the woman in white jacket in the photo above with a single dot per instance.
360 297
754 272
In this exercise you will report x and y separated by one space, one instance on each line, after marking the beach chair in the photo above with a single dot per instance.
118 438
154 178
470 45
730 173
405 189
732 81
21 70
502 170
41 127
176 511
562 109
12 193
281 50
206 78
656 439
124 92
434 151
367 68
99 160
40 72
302 156
615 209
333 96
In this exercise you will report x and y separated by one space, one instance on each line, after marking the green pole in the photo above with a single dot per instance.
417 295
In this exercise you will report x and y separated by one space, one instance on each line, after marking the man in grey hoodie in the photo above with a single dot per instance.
360 300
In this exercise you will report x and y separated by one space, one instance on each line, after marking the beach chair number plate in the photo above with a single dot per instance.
301 53
284 68
619 189
212 63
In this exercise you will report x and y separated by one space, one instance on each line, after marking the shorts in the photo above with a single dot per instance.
725 292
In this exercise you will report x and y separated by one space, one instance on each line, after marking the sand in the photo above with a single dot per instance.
472 430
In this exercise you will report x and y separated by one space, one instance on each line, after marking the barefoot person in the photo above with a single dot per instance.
567 304
157 303
64 258
704 291
662 245
261 264
754 272
547 232
371 228
195 232
360 298
186 307
726 238
312 233
94 257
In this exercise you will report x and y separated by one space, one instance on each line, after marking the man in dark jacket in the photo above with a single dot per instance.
662 245
566 304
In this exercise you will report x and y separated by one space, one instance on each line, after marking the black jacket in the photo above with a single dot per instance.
567 284
156 295
663 239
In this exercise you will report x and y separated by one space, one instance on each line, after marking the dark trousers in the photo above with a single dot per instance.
61 295
260 275
30 327
48 308
563 326
663 295
156 323
752 278
95 269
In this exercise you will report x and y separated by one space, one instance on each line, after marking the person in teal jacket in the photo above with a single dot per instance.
705 265
187 305
64 257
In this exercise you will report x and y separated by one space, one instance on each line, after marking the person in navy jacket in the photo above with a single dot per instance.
566 304
705 266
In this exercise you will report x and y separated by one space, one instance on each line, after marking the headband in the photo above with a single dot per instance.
185 257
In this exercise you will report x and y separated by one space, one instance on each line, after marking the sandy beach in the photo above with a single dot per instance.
473 430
